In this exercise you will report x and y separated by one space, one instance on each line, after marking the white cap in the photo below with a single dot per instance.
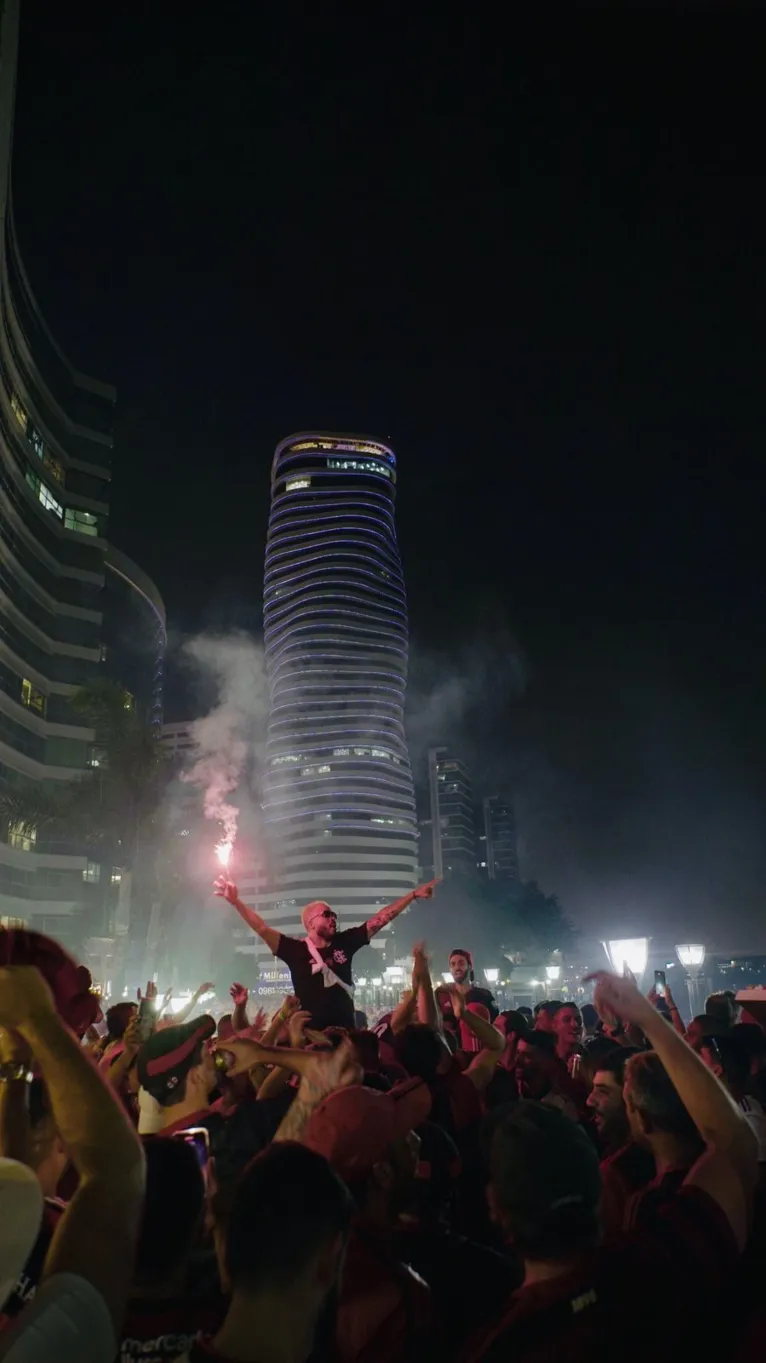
21 1214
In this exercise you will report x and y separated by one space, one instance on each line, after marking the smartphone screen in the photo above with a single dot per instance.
197 1137
659 984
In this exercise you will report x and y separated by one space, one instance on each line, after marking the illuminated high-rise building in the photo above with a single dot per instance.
338 798
449 836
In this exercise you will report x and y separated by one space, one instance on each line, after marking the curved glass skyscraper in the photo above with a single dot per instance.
338 800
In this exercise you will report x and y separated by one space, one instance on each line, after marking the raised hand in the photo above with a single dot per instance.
239 995
226 889
151 992
296 1028
246 1053
132 1040
205 988
620 996
425 891
326 1071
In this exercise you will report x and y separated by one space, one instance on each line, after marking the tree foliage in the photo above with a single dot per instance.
489 918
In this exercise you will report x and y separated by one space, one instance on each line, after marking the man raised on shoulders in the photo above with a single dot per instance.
320 963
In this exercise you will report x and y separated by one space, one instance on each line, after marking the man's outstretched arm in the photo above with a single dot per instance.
392 911
226 889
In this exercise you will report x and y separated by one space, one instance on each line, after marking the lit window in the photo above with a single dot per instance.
37 442
103 653
293 484
84 521
341 752
49 501
116 876
287 757
128 701
54 466
97 757
22 836
32 697
358 466
361 752
322 770
92 873
19 412
380 752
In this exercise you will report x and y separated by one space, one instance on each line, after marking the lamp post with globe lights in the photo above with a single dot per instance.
692 958
628 954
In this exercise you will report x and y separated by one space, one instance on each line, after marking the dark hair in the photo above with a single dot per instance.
288 1204
117 1019
419 1050
722 1007
525 1011
733 1057
515 1022
542 1041
750 1035
461 951
173 1203
712 1024
589 1015
654 1095
614 1061
600 1046
550 1006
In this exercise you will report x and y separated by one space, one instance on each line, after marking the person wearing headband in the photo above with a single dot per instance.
320 962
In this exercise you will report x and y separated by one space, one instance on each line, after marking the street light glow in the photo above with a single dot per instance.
632 952
691 955
553 972
492 975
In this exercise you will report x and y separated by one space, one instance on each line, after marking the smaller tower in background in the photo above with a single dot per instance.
498 859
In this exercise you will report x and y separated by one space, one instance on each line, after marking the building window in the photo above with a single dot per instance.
97 757
128 700
32 697
44 494
293 484
116 875
340 752
103 653
83 521
92 873
19 413
358 466
54 466
37 442
22 836
6 922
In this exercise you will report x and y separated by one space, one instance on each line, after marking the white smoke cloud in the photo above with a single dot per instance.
232 732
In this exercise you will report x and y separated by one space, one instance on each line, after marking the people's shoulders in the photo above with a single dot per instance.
631 1165
291 949
351 940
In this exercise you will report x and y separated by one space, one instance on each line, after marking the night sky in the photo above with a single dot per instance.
538 270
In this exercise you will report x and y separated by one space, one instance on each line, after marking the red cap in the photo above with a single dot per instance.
69 983
355 1126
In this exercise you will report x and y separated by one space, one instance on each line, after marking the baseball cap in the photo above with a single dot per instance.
355 1126
69 983
312 911
544 1169
168 1055
21 1213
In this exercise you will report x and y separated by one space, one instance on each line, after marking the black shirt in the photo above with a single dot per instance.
331 1007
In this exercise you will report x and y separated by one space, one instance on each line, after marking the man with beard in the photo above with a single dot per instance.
625 1165
320 963
462 971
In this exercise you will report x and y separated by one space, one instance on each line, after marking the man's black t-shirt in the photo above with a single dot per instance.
329 1007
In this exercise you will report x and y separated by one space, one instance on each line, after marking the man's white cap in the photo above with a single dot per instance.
21 1214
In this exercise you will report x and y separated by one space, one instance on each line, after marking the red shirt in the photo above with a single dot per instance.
622 1175
384 1308
644 1287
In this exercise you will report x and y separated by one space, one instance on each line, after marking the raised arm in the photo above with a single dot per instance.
96 1236
728 1169
392 911
483 1066
226 889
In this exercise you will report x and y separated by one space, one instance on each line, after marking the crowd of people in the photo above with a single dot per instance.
447 1181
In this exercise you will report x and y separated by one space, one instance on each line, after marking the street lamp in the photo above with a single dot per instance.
629 953
492 975
692 958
